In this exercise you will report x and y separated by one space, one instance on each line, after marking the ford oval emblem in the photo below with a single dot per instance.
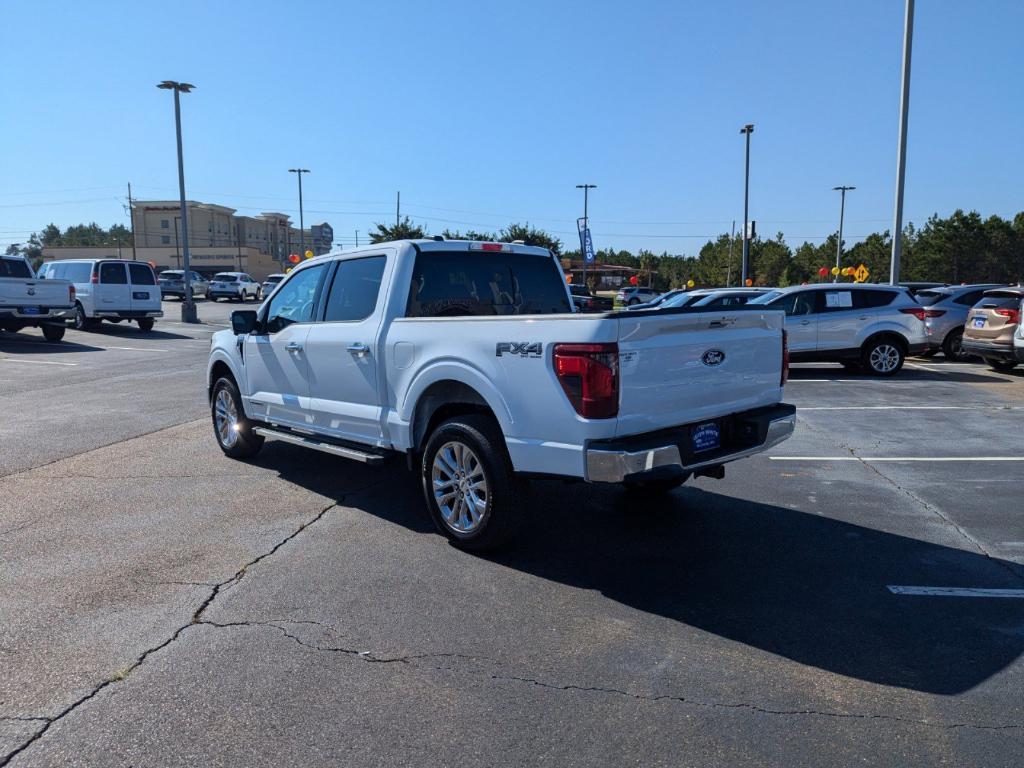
713 357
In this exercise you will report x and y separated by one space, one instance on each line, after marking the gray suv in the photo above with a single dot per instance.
946 311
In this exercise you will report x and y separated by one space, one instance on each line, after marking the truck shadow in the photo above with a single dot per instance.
804 587
33 343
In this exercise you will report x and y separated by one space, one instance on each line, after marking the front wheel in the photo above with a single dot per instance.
469 486
146 324
953 347
81 322
233 430
53 332
882 357
1003 366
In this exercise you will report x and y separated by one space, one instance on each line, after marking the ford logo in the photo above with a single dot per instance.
713 357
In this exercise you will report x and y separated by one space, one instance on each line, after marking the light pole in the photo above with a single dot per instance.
842 209
188 306
901 152
302 226
357 238
746 129
586 226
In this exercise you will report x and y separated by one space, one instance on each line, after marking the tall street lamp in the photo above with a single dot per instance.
586 226
302 226
188 306
746 129
901 147
842 209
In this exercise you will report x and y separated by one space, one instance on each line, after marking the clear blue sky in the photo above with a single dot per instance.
483 113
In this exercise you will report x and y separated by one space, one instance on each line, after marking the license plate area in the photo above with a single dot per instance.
706 437
31 310
979 322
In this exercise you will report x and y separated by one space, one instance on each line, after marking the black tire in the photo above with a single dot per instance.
211 298
952 346
246 443
1003 366
883 356
658 487
81 322
53 332
146 324
632 302
502 514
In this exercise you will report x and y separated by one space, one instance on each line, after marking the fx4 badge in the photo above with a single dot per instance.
521 348
713 357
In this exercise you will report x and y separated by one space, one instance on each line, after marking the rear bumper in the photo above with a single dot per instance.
917 349
130 314
51 313
989 349
670 451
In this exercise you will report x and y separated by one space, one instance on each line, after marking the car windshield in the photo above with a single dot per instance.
171 275
275 278
1000 300
224 277
682 300
929 297
766 298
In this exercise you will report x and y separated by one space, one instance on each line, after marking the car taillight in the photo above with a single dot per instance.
589 375
71 293
1012 315
95 279
934 312
918 312
785 359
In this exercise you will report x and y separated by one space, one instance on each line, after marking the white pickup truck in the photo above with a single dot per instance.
26 302
468 358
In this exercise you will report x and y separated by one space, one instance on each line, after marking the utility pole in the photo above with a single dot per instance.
398 207
842 209
131 218
586 226
901 153
746 129
177 246
302 225
188 306
357 238
728 271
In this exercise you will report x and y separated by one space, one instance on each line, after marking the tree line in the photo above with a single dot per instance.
960 248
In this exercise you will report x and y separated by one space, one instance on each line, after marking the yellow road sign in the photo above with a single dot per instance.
861 274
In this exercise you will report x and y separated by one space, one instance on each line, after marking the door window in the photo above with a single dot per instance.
295 301
795 304
354 291
113 273
141 274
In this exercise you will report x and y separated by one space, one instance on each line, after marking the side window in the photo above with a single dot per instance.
141 274
79 273
872 299
355 288
296 301
794 304
113 273
838 301
43 271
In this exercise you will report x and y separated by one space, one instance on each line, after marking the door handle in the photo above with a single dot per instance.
805 322
358 349
293 346
863 317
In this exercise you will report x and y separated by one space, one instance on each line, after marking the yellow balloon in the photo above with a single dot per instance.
690 283
835 270
309 254
289 269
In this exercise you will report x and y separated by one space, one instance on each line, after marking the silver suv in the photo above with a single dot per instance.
946 311
870 327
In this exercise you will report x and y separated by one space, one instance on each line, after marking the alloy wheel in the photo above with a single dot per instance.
226 418
460 487
884 358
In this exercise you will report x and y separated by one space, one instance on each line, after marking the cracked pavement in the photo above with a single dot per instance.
162 605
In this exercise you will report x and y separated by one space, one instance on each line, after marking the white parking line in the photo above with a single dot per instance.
911 408
896 458
956 592
140 349
36 362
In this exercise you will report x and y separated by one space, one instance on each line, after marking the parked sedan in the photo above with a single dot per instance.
234 285
271 282
586 301
991 325
946 310
172 283
635 295
714 298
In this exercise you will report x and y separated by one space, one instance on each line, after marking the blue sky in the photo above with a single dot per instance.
483 113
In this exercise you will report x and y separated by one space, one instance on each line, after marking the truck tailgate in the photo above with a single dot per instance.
19 292
682 368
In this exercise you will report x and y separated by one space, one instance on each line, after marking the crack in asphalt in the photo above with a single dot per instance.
754 707
47 722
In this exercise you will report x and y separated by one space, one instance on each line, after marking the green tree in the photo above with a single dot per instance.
770 260
530 236
403 230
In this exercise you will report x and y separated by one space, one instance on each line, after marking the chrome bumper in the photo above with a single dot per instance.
604 466
130 315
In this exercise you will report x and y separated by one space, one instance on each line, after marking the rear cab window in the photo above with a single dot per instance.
475 283
14 268
223 277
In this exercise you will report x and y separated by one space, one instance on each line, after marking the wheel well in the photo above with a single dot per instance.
220 370
442 400
888 335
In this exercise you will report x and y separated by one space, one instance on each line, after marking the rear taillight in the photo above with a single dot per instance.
1012 315
589 375
95 279
934 312
71 293
918 312
785 359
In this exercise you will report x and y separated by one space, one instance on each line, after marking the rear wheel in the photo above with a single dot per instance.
81 322
146 324
883 356
53 332
1004 366
233 430
468 483
953 346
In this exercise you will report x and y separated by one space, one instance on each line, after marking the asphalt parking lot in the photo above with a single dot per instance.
852 596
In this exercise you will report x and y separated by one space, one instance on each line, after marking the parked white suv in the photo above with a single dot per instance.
869 327
469 359
116 290
233 285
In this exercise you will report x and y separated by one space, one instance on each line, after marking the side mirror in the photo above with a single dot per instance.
243 321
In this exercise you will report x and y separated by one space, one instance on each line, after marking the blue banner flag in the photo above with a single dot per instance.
586 244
